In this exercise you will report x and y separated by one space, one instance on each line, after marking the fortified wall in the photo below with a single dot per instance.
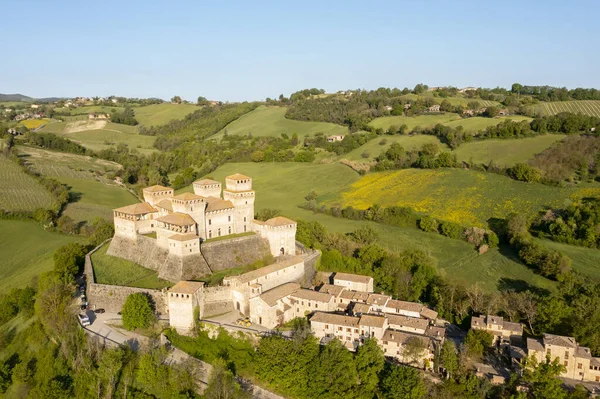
235 252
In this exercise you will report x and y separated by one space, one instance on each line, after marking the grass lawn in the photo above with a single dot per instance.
478 123
413 121
466 197
19 191
374 148
160 114
26 250
585 260
271 121
505 152
116 271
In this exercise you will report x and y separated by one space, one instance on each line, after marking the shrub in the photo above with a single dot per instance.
428 224
138 312
451 229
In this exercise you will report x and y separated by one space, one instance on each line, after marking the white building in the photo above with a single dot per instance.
182 299
355 282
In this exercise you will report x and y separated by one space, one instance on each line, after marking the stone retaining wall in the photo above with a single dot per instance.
217 300
235 252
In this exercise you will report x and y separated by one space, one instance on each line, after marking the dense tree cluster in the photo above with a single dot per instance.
349 143
127 117
428 157
549 93
53 142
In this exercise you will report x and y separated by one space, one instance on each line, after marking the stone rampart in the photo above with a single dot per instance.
235 252
217 300
143 251
112 297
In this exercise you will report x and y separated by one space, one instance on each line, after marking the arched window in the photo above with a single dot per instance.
229 229
209 233
244 229
219 232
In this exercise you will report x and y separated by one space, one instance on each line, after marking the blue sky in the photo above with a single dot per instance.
242 50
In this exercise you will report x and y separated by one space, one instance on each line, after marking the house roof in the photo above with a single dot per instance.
359 307
276 221
535 345
187 197
177 218
371 321
360 296
514 327
263 271
498 320
334 290
157 188
429 313
377 299
435 332
237 176
584 352
405 321
402 337
313 295
272 296
337 319
141 208
206 182
355 278
403 305
559 340
183 237
186 287
165 204
217 204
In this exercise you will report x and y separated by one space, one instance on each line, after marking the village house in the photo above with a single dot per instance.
98 116
354 282
434 108
334 138
407 348
35 106
468 112
577 360
271 308
388 107
503 331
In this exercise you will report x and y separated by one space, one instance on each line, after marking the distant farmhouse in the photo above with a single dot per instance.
98 116
333 139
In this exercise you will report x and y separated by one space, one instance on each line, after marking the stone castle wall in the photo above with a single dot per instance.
235 252
217 300
112 297
141 250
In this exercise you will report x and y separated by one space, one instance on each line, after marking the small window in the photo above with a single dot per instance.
579 365
244 218
229 229
229 218
209 233
566 363
209 222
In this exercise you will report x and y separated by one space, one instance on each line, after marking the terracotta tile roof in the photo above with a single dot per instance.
178 219
336 319
559 340
355 278
206 182
429 313
403 305
402 337
272 296
360 296
279 221
186 287
535 345
377 299
165 204
157 188
435 332
237 176
217 204
334 290
184 237
313 295
359 307
372 321
405 321
347 294
141 208
187 197
263 271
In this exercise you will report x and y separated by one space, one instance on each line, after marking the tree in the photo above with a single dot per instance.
542 378
365 235
202 101
413 349
449 358
68 260
176 100
137 312
222 385
477 341
369 363
428 224
336 376
400 382
523 172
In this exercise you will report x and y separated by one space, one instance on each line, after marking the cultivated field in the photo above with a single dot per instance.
413 121
83 125
585 107
19 191
53 127
111 135
117 271
375 146
159 114
505 152
271 121
105 109
462 196
26 250
34 123
478 123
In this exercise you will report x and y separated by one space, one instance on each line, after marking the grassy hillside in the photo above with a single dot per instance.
505 152
585 260
26 250
585 107
53 127
19 191
413 121
458 100
377 145
271 121
477 123
461 196
108 135
159 114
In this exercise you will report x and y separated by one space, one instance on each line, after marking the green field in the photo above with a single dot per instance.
505 152
159 114
585 107
53 127
19 191
478 123
26 250
459 100
413 121
117 271
374 148
585 260
461 196
111 135
271 121
284 185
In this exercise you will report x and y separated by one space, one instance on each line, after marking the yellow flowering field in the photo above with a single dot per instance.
462 196
34 123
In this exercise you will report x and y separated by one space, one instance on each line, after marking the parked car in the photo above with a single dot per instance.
245 322
99 311
84 320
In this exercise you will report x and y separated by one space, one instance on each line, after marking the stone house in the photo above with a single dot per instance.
394 344
305 302
353 282
272 308
334 138
408 324
577 360
434 108
503 331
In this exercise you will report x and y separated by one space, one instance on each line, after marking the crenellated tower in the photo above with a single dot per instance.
238 190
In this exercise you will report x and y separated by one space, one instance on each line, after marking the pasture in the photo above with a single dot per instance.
19 191
375 147
26 250
116 271
585 107
413 121
160 114
53 127
505 152
478 123
462 196
271 121
110 135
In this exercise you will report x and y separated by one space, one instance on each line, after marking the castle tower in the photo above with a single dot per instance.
207 188
155 194
281 234
193 205
183 298
238 190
